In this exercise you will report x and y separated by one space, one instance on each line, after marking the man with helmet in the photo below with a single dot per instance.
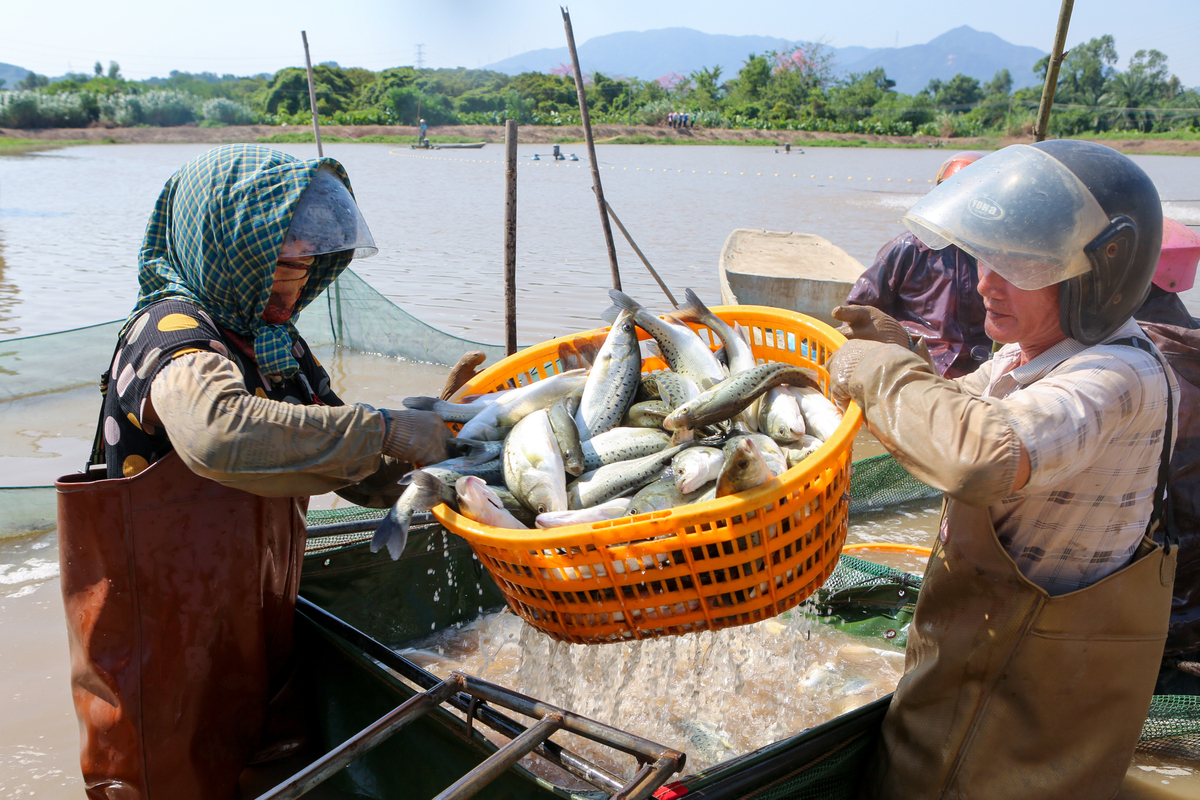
181 546
930 292
1039 629
1176 332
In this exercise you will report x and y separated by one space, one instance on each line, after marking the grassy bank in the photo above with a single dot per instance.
16 147
309 138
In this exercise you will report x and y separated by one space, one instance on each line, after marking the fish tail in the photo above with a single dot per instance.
693 309
624 301
392 532
420 403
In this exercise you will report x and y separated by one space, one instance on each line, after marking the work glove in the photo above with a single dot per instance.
462 372
418 437
842 365
870 324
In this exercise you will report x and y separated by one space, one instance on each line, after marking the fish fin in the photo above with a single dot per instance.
392 533
473 450
611 313
624 301
651 349
420 403
693 309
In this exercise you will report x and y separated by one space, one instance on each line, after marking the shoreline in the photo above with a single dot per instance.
31 140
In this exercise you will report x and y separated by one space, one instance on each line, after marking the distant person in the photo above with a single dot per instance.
930 292
1176 333
424 128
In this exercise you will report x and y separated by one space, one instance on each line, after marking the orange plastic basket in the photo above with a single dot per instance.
706 566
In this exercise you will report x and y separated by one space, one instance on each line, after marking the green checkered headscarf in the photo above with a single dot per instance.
214 237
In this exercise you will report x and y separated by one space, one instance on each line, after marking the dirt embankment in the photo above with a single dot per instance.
534 134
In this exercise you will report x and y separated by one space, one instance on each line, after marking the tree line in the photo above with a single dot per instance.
795 89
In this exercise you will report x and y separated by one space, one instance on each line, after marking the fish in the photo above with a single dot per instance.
533 465
622 444
478 501
697 466
516 404
730 397
745 467
615 480
597 513
738 353
454 412
646 414
800 450
566 433
660 495
684 351
779 415
772 453
673 389
613 380
821 416
424 491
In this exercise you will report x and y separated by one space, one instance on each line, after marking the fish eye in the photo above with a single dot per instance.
541 509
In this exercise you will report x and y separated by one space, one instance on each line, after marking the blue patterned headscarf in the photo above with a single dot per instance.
214 237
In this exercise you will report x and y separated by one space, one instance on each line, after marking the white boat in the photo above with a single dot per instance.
798 271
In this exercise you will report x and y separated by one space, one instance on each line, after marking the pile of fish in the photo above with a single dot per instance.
587 445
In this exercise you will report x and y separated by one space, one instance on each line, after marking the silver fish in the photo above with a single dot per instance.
744 467
772 453
582 516
615 480
779 415
674 389
454 412
480 502
798 451
697 466
646 414
820 415
730 397
660 495
424 491
737 350
566 433
518 403
683 349
533 465
622 444
613 380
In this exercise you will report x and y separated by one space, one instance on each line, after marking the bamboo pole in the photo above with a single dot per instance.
591 148
510 236
312 95
640 255
1056 58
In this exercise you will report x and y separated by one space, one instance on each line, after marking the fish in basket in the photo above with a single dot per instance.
660 476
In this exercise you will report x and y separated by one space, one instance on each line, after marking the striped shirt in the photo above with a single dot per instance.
1092 420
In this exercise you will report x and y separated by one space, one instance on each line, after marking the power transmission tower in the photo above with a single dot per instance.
420 56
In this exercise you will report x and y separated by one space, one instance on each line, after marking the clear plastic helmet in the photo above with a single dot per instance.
327 220
1077 214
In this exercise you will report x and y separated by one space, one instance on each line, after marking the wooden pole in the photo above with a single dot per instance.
591 148
638 250
1056 58
312 95
510 236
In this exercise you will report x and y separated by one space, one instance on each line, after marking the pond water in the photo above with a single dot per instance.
71 222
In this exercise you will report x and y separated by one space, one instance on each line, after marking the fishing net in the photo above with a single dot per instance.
1172 728
880 482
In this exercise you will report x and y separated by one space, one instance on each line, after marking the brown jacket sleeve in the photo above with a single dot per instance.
268 448
944 436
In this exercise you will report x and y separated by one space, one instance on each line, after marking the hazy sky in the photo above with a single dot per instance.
252 36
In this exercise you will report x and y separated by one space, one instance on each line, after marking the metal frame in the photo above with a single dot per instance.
471 695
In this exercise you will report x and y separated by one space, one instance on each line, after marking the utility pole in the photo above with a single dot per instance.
420 56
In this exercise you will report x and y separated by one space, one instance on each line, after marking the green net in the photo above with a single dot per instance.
880 482
1172 728
833 775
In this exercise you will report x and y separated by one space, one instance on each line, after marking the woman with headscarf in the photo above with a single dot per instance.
181 546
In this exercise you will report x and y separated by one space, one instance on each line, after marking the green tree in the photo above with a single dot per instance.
99 69
706 94
288 92
960 92
1000 84
114 71
33 81
1084 72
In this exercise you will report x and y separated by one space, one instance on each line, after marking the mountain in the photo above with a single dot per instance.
963 49
651 54
648 54
10 74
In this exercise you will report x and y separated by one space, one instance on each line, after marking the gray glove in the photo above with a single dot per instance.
841 368
871 324
419 437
